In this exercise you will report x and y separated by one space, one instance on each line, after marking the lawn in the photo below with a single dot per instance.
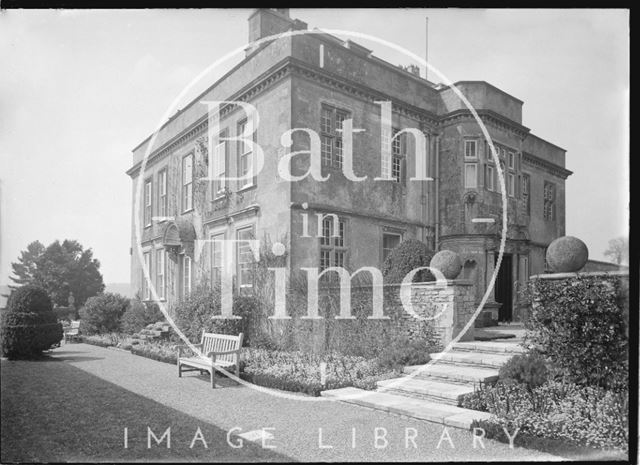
54 412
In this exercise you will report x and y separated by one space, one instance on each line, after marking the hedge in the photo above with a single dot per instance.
579 324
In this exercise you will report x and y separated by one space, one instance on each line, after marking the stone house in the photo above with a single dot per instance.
317 81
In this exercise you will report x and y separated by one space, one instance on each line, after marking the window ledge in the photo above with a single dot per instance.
246 188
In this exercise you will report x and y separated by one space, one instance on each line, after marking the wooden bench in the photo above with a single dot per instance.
220 351
72 332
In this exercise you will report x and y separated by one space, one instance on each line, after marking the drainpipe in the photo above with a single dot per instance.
423 198
437 182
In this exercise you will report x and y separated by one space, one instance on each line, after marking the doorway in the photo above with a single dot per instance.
504 288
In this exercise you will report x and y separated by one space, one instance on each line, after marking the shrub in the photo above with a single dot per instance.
586 415
578 324
65 313
103 313
407 256
193 315
29 325
404 351
528 369
138 315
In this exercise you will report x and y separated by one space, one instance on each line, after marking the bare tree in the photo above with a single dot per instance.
618 250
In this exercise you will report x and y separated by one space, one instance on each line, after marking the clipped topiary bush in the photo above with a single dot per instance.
579 325
528 369
138 315
409 255
103 313
29 325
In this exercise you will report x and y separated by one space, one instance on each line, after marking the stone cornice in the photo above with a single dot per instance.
185 136
362 92
489 116
429 121
546 165
266 80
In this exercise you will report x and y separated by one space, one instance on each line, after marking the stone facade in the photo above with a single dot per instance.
291 81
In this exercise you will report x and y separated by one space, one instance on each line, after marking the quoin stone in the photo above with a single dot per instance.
567 254
448 262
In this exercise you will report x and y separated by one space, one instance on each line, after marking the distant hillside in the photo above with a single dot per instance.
119 288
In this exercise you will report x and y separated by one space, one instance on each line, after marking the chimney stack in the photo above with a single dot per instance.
265 22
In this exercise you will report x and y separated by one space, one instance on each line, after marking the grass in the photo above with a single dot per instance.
54 412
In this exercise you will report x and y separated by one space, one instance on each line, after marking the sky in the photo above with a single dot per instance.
80 89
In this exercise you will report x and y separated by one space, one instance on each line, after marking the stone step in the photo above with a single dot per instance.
453 373
447 415
478 359
489 347
428 389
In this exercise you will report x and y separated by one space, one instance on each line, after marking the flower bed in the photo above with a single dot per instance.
160 351
102 340
289 371
303 372
585 415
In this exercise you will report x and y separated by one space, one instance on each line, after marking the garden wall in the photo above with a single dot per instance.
440 314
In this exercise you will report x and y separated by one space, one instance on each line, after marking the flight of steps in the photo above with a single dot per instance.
452 374
154 331
433 391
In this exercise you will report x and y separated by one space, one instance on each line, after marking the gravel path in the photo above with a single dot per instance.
296 424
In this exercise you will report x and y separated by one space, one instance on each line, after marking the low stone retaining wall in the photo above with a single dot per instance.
443 309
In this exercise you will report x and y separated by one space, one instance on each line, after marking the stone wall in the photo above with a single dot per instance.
440 310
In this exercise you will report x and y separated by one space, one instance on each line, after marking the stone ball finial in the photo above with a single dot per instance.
567 254
448 262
